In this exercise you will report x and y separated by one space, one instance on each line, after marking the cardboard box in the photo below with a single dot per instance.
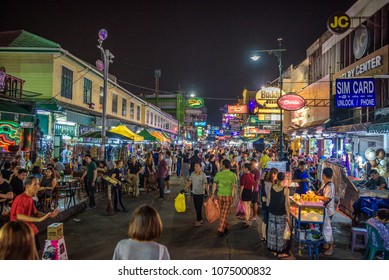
55 231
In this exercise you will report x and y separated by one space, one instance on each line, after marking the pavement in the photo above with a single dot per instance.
90 234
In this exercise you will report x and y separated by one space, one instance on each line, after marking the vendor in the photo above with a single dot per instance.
301 176
376 181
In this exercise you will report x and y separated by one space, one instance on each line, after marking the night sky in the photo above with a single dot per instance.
201 46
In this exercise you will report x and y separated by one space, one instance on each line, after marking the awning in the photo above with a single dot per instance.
381 125
147 136
125 131
351 128
97 134
160 136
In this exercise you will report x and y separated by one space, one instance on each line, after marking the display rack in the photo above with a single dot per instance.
307 221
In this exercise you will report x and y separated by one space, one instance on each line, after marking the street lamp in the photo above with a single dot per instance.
107 57
278 54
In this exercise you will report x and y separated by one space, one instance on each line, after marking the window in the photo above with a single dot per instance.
152 119
155 120
101 99
114 103
87 93
124 107
132 109
67 83
147 116
138 113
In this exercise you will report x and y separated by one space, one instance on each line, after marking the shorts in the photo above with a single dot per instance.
254 198
167 178
247 195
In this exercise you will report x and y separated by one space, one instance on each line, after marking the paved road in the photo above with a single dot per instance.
95 236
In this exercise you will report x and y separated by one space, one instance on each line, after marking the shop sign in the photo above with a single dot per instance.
364 67
267 97
268 111
199 131
291 102
193 111
237 121
352 93
339 23
63 129
254 120
203 124
195 102
237 109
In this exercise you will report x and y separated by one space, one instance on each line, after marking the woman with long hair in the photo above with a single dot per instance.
118 175
150 169
17 242
246 191
145 227
234 166
278 217
270 179
48 182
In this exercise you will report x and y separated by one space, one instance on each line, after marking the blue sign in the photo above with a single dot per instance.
352 93
200 123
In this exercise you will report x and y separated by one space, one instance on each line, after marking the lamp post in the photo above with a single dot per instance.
278 54
107 57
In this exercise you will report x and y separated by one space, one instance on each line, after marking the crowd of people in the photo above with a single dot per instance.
228 175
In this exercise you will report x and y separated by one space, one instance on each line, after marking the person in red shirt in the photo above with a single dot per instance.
23 208
246 191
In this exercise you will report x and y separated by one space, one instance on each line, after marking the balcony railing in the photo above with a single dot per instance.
11 86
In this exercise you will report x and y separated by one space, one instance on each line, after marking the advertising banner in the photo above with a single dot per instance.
237 109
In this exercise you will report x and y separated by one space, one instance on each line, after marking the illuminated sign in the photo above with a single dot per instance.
352 93
195 102
291 102
200 124
193 111
10 134
268 111
267 97
199 131
339 23
237 109
256 130
254 120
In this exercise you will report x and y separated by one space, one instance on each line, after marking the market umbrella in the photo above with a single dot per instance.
125 131
147 136
160 136
97 134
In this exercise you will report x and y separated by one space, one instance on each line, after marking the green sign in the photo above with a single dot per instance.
255 121
195 102
199 131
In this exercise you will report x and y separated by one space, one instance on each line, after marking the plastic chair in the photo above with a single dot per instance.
371 250
355 232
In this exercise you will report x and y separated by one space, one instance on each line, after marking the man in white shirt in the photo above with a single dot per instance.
66 154
326 193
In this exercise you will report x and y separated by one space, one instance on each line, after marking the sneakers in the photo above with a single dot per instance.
167 191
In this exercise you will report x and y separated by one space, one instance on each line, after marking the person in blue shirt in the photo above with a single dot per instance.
301 176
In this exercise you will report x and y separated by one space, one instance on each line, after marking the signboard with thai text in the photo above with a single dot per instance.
352 93
195 102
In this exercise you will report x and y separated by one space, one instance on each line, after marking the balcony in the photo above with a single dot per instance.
11 86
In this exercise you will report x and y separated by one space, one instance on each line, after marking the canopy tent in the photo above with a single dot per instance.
160 136
97 134
125 131
147 136
164 134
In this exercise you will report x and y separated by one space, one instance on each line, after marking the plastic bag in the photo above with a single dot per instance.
179 203
212 210
240 210
287 232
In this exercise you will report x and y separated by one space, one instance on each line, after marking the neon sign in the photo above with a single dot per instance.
10 134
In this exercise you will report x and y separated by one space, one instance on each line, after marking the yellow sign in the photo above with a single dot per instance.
267 111
339 23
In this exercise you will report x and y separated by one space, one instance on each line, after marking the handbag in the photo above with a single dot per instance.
212 210
240 209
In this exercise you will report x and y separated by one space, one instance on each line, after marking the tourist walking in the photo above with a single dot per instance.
199 183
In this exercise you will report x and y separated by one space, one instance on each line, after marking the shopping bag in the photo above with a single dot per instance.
179 203
212 210
287 232
240 210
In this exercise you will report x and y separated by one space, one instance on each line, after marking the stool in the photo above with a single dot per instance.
355 232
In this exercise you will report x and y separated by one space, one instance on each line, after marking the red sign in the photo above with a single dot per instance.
259 131
291 102
237 109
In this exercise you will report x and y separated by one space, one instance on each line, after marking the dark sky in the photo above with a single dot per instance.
201 45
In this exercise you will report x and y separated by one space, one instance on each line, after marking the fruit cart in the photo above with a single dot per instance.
307 214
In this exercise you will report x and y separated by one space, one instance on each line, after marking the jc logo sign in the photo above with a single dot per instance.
339 23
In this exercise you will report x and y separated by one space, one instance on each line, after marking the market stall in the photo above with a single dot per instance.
126 132
160 137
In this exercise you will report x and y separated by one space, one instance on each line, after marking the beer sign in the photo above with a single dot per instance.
237 109
291 102
339 23
195 103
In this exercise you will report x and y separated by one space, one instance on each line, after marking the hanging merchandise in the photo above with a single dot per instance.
94 151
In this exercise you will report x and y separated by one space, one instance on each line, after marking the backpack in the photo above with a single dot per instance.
208 168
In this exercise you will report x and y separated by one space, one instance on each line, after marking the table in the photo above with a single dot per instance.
69 187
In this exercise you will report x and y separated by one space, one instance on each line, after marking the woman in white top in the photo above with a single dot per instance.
145 227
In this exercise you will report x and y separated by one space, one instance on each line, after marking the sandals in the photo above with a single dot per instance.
329 252
283 255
